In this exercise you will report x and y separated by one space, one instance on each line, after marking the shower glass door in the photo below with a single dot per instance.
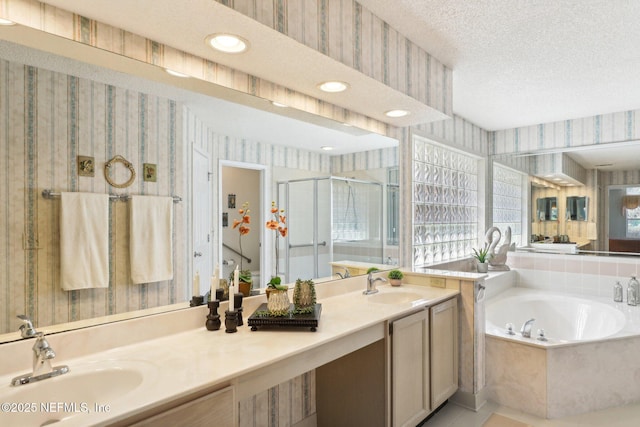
306 248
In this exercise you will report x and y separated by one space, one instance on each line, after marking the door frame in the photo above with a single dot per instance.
266 239
203 279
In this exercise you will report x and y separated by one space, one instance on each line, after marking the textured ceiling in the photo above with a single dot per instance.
517 63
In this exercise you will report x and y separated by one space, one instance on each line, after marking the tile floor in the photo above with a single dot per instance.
452 415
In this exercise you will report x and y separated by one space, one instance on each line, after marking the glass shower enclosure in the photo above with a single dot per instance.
330 219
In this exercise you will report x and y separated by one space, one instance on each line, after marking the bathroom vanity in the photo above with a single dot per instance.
201 375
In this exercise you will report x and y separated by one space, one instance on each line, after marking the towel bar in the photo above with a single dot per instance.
49 194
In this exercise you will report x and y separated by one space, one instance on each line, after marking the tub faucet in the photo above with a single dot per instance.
526 328
371 284
344 275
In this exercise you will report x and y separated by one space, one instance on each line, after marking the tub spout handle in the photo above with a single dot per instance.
541 335
509 328
526 328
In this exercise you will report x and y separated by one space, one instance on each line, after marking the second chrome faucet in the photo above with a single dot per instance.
371 284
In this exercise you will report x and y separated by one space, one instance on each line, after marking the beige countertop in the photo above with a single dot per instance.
184 363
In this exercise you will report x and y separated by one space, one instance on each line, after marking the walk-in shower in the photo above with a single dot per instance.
329 219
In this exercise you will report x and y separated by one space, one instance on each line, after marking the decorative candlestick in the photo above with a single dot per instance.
196 284
231 321
196 300
214 281
213 318
237 302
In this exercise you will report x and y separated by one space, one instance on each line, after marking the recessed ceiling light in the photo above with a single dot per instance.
6 22
347 124
326 148
176 73
396 113
228 43
278 104
333 86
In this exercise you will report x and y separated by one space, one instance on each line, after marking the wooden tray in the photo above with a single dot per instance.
308 320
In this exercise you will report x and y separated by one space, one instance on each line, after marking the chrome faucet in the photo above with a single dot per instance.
371 284
344 275
42 356
26 329
526 328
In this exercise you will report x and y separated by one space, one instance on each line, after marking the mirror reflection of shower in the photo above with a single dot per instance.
330 219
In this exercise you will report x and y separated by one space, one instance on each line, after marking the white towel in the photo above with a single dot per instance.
84 241
151 238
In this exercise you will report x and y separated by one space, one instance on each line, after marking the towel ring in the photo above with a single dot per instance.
107 175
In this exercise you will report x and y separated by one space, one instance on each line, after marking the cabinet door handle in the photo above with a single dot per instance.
197 254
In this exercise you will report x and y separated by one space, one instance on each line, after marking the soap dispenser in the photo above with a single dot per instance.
633 291
617 292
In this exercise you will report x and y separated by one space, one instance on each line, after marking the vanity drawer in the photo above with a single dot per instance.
213 409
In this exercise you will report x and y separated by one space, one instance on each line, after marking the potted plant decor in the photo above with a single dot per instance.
372 270
274 285
395 277
482 256
244 282
304 296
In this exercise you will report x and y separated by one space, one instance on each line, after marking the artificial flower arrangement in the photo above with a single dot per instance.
242 225
278 222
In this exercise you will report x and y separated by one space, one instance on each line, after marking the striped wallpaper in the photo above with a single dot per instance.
351 34
600 129
34 14
547 164
48 119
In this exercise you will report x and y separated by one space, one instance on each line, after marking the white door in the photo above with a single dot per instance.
201 218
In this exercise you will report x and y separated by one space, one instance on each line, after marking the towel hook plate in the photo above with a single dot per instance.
107 174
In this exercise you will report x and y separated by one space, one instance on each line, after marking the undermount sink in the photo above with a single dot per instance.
85 390
397 297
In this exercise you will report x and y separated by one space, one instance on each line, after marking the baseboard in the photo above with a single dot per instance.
469 400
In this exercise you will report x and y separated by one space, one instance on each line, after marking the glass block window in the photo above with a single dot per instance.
445 203
507 201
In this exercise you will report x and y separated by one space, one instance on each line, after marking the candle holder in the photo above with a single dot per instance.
213 318
196 300
231 321
237 303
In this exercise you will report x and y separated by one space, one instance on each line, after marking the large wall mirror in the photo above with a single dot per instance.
591 211
62 108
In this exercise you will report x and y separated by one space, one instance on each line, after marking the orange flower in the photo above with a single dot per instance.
277 223
241 225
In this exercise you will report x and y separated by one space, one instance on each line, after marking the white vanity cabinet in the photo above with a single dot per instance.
409 369
444 351
423 349
215 408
